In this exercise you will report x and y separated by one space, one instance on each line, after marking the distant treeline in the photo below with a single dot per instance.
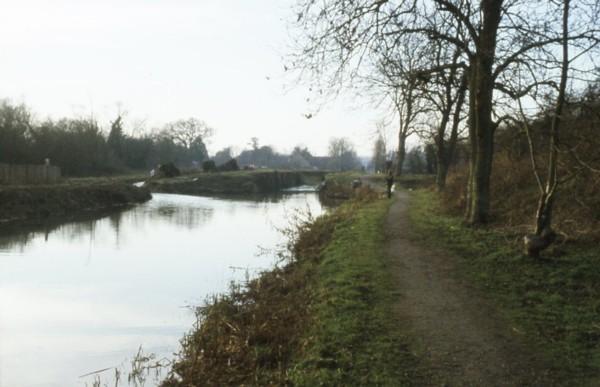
341 157
80 147
266 157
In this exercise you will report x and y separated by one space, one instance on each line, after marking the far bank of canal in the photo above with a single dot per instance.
86 295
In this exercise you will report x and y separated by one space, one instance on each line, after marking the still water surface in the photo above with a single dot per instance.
86 295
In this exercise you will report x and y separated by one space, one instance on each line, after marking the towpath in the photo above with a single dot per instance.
460 336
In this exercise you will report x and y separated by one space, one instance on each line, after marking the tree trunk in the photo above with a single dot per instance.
401 155
544 235
472 148
441 151
481 88
543 216
441 174
404 127
481 160
445 148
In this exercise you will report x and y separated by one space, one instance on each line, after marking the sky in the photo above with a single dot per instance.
162 60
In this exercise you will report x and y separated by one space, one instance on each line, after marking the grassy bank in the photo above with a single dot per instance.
353 338
322 319
554 302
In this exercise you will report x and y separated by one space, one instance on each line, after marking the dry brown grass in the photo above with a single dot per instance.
246 337
515 196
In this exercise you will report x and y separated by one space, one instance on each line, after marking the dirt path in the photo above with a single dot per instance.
459 335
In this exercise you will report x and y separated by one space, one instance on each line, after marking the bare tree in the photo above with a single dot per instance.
188 133
446 92
544 235
342 154
379 154
254 143
493 36
399 76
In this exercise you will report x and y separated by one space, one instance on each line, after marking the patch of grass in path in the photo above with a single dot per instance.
554 303
354 338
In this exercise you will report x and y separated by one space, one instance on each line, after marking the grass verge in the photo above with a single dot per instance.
354 339
554 302
323 319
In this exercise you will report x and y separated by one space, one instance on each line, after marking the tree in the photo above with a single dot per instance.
302 151
300 158
223 156
338 38
80 148
430 158
254 143
342 155
15 128
445 91
379 154
398 75
137 152
416 161
190 134
260 156
342 34
544 235
116 138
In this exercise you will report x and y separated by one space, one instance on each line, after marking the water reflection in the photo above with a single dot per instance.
177 211
83 296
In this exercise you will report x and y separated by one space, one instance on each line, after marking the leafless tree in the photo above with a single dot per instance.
342 154
379 154
446 92
187 133
398 76
551 80
493 36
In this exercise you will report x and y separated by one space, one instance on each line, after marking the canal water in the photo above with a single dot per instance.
85 296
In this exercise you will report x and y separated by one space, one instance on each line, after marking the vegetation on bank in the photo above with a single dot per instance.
83 146
321 319
74 196
38 203
354 337
337 187
554 302
235 182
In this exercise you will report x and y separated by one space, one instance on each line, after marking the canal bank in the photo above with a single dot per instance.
84 296
235 183
322 318
360 303
35 204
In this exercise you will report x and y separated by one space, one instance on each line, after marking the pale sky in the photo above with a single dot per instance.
161 60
